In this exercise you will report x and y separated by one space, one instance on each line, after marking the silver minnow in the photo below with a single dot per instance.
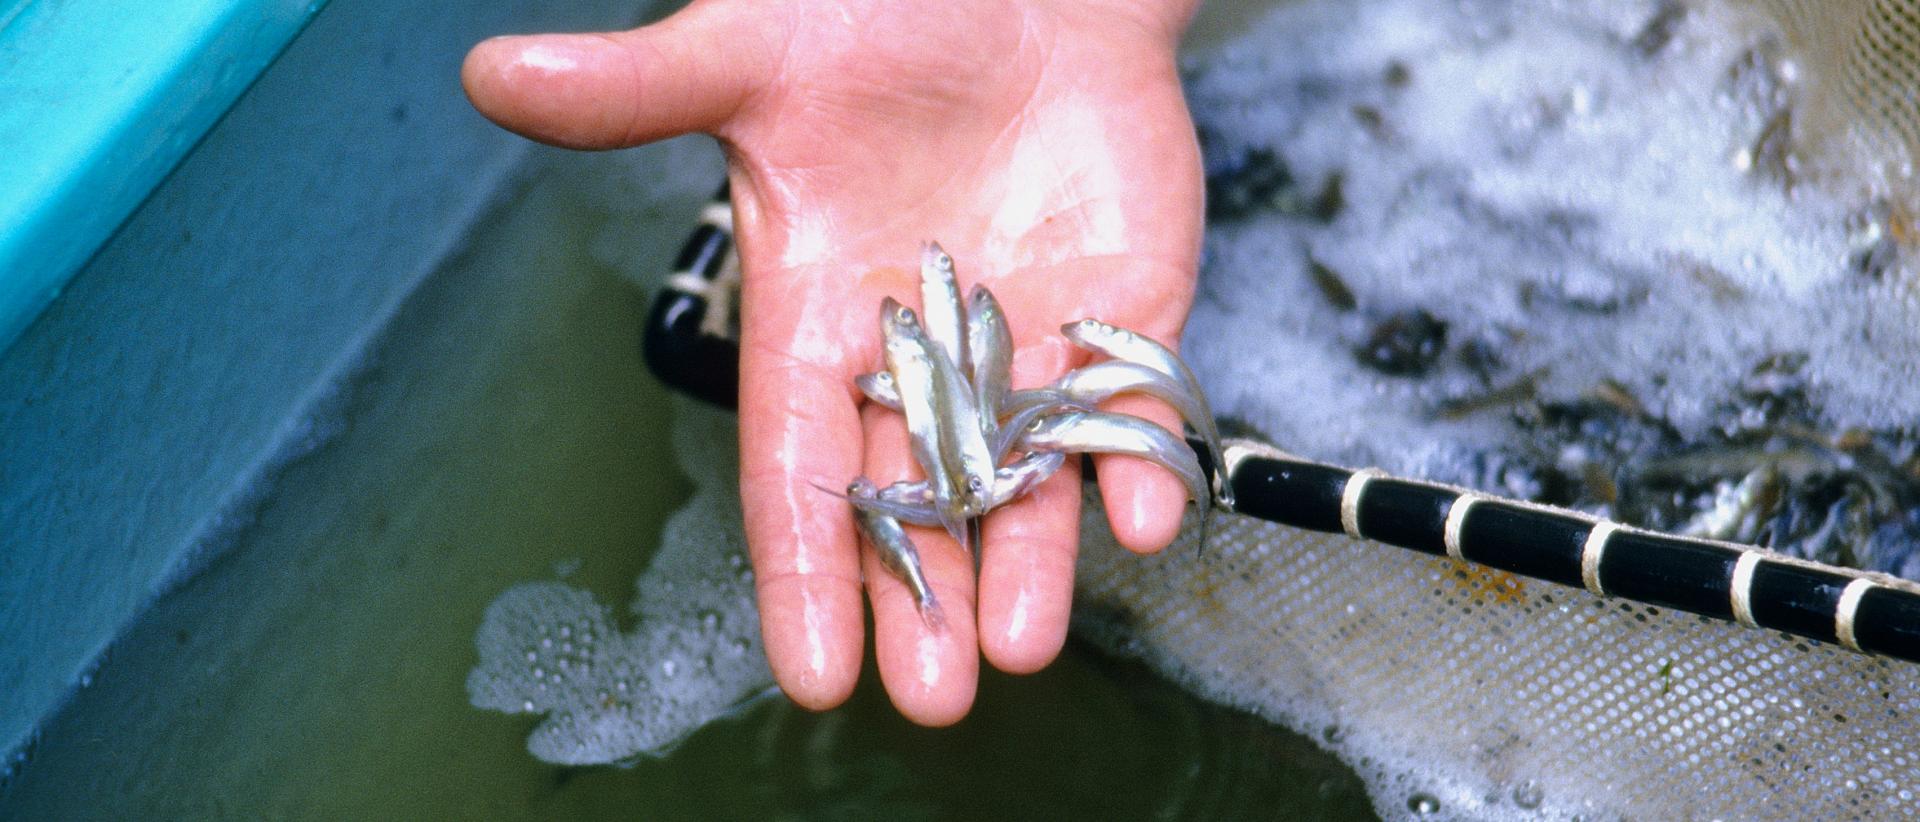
896 552
880 388
942 422
1080 432
1095 384
963 446
913 492
908 502
1027 406
1121 344
912 360
912 501
1020 401
990 347
946 321
1016 480
1087 387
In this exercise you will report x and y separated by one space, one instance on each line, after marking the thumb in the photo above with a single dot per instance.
690 72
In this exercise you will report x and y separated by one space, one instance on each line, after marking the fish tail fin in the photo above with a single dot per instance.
1222 492
958 530
932 614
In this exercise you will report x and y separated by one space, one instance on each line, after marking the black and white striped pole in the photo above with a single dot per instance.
1871 613
689 346
688 342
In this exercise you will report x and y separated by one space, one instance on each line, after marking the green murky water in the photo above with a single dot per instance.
506 432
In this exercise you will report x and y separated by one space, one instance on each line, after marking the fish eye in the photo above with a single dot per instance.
975 484
1035 425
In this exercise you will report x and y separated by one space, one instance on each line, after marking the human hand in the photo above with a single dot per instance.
1045 144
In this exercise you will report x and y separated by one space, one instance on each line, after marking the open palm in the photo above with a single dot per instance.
1045 145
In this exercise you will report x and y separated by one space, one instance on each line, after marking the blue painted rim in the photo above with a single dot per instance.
100 105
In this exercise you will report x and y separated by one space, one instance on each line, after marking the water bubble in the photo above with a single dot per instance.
1528 795
597 706
527 706
532 655
1423 804
539 672
738 646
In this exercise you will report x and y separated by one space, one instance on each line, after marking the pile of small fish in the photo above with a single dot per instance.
949 376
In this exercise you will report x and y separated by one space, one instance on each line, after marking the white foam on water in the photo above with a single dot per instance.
1539 184
692 655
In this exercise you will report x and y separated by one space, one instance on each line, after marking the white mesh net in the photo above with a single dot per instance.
1471 693
1861 67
